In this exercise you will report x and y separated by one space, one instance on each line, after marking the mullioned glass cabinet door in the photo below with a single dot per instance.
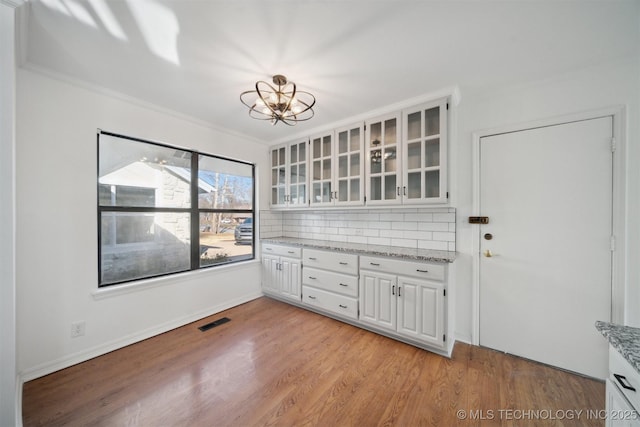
383 152
297 182
321 170
349 166
424 160
278 176
289 175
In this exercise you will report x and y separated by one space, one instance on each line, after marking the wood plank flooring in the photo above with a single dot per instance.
275 364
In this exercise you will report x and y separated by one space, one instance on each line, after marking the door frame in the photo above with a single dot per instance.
618 260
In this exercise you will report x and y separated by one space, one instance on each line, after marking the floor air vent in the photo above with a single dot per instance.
214 324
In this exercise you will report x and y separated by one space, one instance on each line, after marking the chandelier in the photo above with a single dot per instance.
279 103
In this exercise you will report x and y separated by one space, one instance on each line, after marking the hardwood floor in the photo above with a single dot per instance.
275 364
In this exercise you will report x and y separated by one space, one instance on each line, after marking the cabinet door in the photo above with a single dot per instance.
620 413
321 170
383 160
349 166
297 179
270 273
290 278
425 153
378 299
278 176
421 310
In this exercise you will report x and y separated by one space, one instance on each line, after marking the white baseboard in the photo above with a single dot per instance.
465 338
19 383
82 356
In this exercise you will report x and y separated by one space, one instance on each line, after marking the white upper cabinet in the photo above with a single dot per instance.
383 160
289 177
337 165
424 160
399 158
279 176
321 169
348 177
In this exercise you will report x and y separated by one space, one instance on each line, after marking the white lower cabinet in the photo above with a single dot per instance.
281 271
623 392
330 282
405 300
394 300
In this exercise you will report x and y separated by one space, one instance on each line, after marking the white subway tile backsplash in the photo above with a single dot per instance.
394 217
384 241
433 226
357 239
428 228
444 217
404 243
403 225
418 217
445 237
380 225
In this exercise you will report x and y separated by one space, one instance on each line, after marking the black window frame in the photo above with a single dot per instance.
194 210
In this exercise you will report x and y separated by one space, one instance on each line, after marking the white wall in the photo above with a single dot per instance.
587 89
56 253
9 390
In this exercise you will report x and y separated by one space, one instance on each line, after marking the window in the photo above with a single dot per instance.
164 210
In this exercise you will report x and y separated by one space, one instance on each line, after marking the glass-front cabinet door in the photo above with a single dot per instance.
321 170
278 176
297 182
425 150
383 151
348 188
289 178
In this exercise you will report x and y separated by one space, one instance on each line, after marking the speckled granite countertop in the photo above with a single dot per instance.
363 249
625 339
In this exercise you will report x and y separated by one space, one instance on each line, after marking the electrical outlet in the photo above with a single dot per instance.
77 329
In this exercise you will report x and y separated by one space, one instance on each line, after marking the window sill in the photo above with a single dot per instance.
140 285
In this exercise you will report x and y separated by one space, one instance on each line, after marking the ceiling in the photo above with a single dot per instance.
196 57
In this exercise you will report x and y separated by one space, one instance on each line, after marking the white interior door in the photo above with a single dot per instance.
548 195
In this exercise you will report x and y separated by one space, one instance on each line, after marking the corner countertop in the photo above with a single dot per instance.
625 339
364 249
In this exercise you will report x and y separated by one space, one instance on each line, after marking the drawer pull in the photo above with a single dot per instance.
312 278
269 249
342 284
422 271
375 263
399 291
312 258
343 263
393 290
312 297
342 306
291 252
624 382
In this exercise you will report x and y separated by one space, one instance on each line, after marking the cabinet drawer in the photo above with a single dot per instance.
423 270
330 281
621 372
328 301
281 250
335 261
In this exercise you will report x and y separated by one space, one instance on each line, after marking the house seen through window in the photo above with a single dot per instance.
165 210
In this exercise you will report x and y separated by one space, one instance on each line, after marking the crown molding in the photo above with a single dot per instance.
12 3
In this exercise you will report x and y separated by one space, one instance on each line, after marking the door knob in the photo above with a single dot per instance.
487 253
